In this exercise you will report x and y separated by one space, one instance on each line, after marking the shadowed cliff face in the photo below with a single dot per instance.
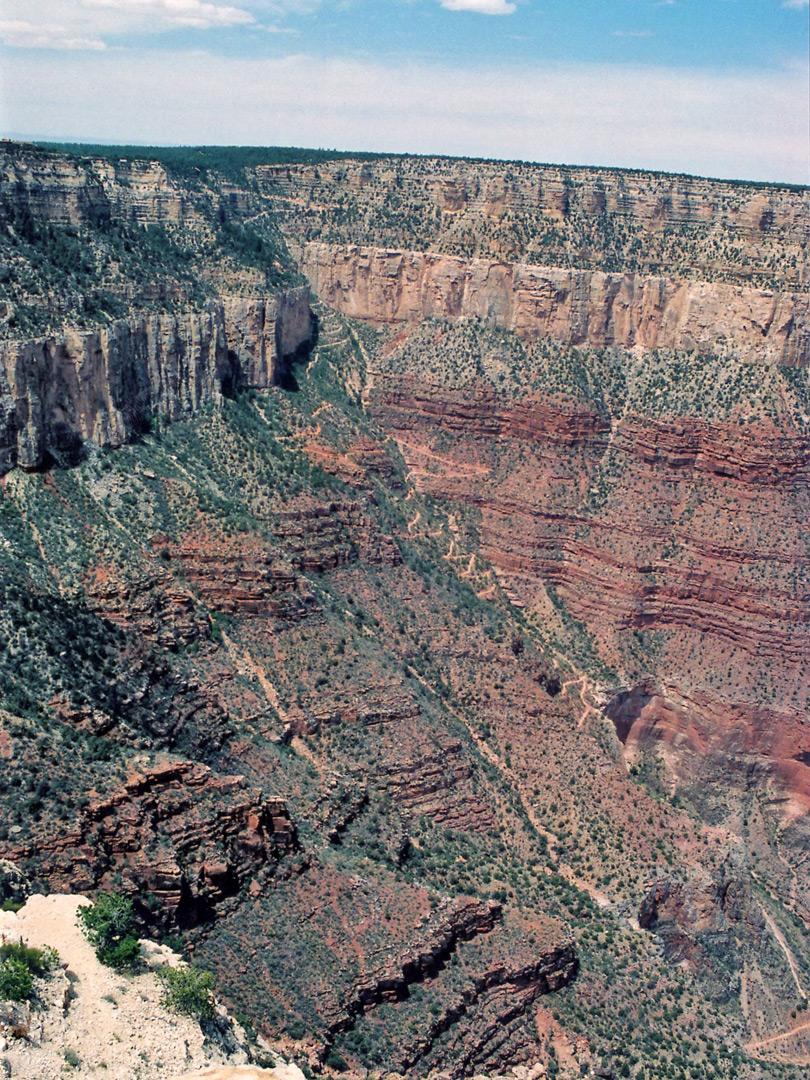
173 283
106 386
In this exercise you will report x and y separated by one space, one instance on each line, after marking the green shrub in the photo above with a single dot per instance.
336 1061
16 983
109 926
38 961
19 963
187 991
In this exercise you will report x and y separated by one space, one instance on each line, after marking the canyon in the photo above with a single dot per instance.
407 601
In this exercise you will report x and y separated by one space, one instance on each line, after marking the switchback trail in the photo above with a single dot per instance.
805 1026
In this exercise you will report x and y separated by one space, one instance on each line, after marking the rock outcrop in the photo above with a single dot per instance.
73 191
706 908
555 215
178 832
105 386
485 1020
498 993
577 307
87 1015
453 922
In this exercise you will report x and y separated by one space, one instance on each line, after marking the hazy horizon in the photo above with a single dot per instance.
714 88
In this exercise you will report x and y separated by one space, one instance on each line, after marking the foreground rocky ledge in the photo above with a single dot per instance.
114 1025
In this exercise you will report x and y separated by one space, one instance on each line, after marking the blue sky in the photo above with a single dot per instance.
718 87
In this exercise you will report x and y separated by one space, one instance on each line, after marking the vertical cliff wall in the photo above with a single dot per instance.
577 307
590 219
104 385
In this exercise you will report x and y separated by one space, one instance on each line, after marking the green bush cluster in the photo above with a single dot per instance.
109 926
19 965
188 991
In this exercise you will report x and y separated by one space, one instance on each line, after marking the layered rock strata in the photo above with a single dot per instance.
679 544
104 386
611 555
71 191
579 216
577 307
488 1033
178 832
454 921
707 906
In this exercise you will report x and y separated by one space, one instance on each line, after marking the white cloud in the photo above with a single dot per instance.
25 35
194 13
88 24
745 124
483 7
796 3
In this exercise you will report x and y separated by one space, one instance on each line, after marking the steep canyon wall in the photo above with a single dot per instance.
612 220
104 385
576 307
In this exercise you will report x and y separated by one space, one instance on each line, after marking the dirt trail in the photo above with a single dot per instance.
246 1072
494 759
783 945
461 468
247 662
470 571
795 890
804 1026
585 685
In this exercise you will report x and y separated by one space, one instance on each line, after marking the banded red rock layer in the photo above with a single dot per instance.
697 733
486 967
671 537
679 543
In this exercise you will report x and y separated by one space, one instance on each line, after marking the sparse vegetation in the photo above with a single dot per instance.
390 614
20 964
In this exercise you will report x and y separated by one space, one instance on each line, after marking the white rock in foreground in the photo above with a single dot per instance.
113 1023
